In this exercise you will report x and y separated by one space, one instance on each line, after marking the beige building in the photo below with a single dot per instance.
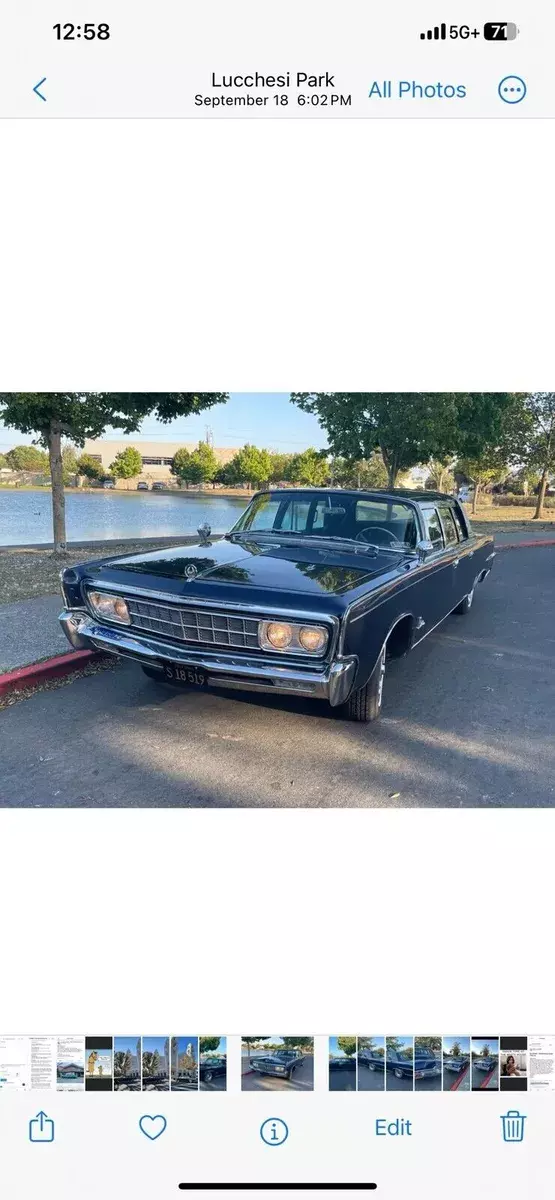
157 456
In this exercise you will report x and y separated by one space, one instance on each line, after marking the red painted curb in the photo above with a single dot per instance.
51 668
517 545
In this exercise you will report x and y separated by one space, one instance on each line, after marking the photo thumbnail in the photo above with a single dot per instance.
456 1064
213 1064
184 1064
513 1064
343 1064
485 1064
427 1064
99 1064
399 1064
371 1064
127 1064
156 1064
272 1063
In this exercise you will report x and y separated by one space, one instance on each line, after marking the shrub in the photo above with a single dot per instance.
511 500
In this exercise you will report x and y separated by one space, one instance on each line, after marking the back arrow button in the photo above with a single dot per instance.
37 86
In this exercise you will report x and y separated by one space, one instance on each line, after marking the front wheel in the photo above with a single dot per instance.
465 605
365 704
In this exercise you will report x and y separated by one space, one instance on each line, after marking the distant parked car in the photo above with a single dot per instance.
209 1068
108 483
158 486
142 485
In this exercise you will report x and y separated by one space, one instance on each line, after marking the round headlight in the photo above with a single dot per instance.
313 640
112 607
279 635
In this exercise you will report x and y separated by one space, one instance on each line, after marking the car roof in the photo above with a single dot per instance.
414 494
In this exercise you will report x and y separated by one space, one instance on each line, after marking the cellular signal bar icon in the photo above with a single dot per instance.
437 34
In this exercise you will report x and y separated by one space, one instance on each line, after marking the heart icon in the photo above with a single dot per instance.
152 1127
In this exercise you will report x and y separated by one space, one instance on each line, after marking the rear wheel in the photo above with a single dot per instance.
465 605
365 704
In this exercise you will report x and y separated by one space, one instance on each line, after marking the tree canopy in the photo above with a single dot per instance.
27 458
197 466
49 416
127 463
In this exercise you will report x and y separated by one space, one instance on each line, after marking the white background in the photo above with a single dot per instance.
244 255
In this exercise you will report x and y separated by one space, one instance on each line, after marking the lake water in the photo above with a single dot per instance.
27 516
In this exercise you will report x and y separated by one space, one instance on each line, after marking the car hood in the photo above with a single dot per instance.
209 569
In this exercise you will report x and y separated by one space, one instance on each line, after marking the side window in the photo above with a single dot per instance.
432 527
295 517
459 523
449 527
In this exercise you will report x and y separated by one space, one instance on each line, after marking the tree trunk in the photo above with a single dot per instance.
541 496
58 496
475 499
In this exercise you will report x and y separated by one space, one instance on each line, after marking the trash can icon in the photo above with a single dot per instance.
513 1126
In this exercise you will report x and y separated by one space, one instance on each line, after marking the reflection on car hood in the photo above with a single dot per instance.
300 567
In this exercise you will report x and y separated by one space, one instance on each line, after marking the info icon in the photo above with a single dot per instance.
274 1132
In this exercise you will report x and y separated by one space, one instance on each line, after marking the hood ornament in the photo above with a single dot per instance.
191 571
204 532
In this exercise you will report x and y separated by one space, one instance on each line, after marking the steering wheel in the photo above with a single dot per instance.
372 529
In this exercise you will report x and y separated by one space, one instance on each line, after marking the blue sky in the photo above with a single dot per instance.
183 1042
479 1043
336 1050
449 1042
264 418
154 1043
126 1043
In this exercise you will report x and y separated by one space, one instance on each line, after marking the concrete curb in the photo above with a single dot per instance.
525 545
185 539
51 668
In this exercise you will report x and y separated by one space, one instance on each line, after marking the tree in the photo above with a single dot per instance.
88 466
69 461
206 1044
540 452
294 1042
151 1062
412 427
80 415
407 427
456 1050
481 472
440 478
27 458
348 1045
122 1062
253 1041
3 462
367 473
200 466
310 468
279 467
127 463
252 465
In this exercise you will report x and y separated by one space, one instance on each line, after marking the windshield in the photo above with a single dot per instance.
366 519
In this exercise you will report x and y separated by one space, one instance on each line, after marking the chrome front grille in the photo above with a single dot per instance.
197 626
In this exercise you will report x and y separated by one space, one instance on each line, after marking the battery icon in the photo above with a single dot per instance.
500 31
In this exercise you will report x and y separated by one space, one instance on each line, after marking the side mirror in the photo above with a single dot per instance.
423 549
204 532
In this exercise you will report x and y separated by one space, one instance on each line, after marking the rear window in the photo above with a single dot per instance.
448 522
432 526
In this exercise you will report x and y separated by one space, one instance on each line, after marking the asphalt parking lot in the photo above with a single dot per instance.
406 1084
467 721
370 1081
432 1084
343 1079
302 1080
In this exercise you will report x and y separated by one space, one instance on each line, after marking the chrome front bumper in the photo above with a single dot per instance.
332 681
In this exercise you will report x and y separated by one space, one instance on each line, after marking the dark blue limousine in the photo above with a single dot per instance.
309 595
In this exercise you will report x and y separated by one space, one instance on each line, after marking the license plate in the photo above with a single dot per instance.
192 676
